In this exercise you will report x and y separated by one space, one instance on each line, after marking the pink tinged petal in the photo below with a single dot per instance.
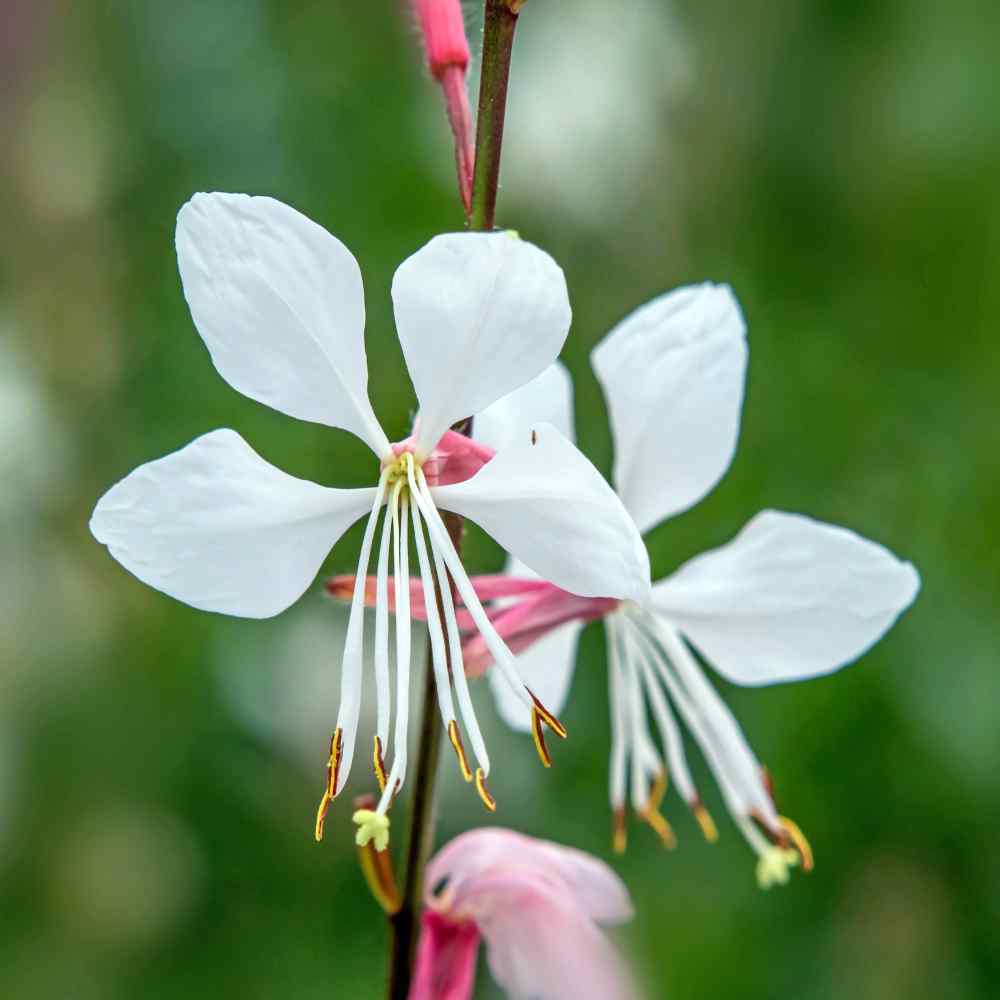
280 306
547 505
217 527
546 399
478 315
445 966
788 599
461 865
455 458
673 375
541 946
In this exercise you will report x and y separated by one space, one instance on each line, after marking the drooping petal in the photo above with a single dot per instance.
546 667
547 505
280 306
217 527
673 376
478 315
546 399
787 599
593 886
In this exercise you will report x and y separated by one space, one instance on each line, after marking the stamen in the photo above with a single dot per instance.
332 772
484 792
383 697
379 764
456 741
547 717
455 660
619 831
352 672
662 828
798 839
705 821
539 736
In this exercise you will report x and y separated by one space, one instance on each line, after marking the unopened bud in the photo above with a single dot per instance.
447 48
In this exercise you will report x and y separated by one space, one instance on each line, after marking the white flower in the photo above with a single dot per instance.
789 598
279 303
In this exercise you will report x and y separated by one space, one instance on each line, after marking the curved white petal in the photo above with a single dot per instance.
787 599
546 399
546 667
217 527
673 375
478 315
547 505
280 306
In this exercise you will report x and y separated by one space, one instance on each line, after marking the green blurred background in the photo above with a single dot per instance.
835 160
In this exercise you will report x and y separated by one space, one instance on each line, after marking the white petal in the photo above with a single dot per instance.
787 599
546 667
478 315
548 506
280 305
673 376
217 527
546 399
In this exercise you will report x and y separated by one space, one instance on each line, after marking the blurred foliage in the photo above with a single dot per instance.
837 162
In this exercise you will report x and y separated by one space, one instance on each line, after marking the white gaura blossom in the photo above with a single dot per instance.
280 305
789 598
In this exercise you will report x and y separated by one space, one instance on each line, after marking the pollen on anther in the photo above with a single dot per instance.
547 717
332 772
619 833
539 738
708 828
798 839
484 792
662 828
456 741
378 763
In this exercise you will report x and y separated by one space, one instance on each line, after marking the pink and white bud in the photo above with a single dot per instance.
447 49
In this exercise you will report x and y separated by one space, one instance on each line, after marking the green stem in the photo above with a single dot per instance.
498 39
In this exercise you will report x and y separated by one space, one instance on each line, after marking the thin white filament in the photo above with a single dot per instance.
383 696
502 656
436 633
642 751
735 801
619 738
670 733
461 682
725 729
401 580
351 670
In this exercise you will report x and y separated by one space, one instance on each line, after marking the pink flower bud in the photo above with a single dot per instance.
443 30
447 48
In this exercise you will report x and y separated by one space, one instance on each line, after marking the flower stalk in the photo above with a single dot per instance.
499 24
498 39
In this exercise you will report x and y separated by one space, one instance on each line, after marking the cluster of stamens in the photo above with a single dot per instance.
404 491
652 669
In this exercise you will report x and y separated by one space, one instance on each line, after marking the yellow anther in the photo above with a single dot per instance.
456 741
658 822
547 717
705 821
774 866
619 832
378 762
332 773
373 827
798 839
539 737
484 792
658 790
